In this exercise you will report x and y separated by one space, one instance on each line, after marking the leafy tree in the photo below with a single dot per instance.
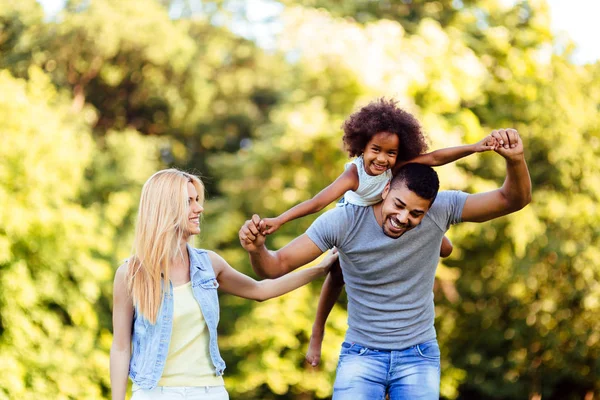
49 337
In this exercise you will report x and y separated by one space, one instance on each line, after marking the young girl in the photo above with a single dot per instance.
383 138
166 308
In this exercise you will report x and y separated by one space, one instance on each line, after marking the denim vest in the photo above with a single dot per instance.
150 343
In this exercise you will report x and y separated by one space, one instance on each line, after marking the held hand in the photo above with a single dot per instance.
486 144
510 143
250 237
271 225
330 259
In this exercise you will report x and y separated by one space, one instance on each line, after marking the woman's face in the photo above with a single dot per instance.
193 226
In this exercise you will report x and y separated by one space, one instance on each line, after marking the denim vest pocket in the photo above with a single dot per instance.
210 283
209 300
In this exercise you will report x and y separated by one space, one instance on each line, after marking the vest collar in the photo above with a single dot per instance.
195 262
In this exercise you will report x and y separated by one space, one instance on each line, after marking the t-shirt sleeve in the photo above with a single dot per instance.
447 208
327 230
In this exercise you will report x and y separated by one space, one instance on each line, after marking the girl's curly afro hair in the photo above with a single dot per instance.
379 116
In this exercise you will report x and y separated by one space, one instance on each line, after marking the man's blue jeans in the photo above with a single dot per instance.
368 374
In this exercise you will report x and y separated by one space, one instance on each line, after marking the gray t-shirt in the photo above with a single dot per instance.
389 282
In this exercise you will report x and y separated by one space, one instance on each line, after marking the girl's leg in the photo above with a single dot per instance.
332 287
313 355
446 248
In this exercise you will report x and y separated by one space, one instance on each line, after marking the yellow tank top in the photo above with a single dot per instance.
188 360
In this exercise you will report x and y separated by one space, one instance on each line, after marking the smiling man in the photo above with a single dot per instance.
388 255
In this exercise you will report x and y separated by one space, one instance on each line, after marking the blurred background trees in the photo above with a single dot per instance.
95 99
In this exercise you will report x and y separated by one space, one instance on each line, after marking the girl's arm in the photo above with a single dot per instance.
450 154
234 282
348 180
120 351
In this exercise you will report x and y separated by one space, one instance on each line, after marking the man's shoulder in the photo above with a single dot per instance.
334 227
347 212
447 208
445 198
341 218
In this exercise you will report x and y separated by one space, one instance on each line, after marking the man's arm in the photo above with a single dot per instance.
273 264
514 194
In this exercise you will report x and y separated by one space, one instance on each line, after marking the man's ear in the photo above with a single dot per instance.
386 190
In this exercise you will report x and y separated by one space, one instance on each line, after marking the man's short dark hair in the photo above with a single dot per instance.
418 178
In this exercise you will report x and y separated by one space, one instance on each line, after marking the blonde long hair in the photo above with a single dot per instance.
161 225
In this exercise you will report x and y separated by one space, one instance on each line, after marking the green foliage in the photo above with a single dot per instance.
95 101
50 340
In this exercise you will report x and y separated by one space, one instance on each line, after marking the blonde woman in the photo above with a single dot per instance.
166 308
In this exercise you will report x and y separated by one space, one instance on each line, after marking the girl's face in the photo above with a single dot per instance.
380 153
193 227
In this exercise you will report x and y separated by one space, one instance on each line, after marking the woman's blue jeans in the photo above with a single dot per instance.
368 374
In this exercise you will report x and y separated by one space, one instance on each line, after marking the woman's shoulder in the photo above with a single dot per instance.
121 274
217 263
199 251
213 257
123 268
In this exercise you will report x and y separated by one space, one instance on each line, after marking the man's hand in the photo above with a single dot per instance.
510 143
250 237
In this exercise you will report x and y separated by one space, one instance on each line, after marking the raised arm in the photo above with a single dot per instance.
348 180
272 264
236 283
514 194
120 351
451 154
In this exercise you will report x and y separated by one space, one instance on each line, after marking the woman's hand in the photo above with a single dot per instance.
328 261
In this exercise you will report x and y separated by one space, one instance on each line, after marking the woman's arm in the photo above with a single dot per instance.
234 282
450 154
348 180
120 351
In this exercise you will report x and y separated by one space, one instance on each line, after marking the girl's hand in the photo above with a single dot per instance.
486 144
271 225
330 259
